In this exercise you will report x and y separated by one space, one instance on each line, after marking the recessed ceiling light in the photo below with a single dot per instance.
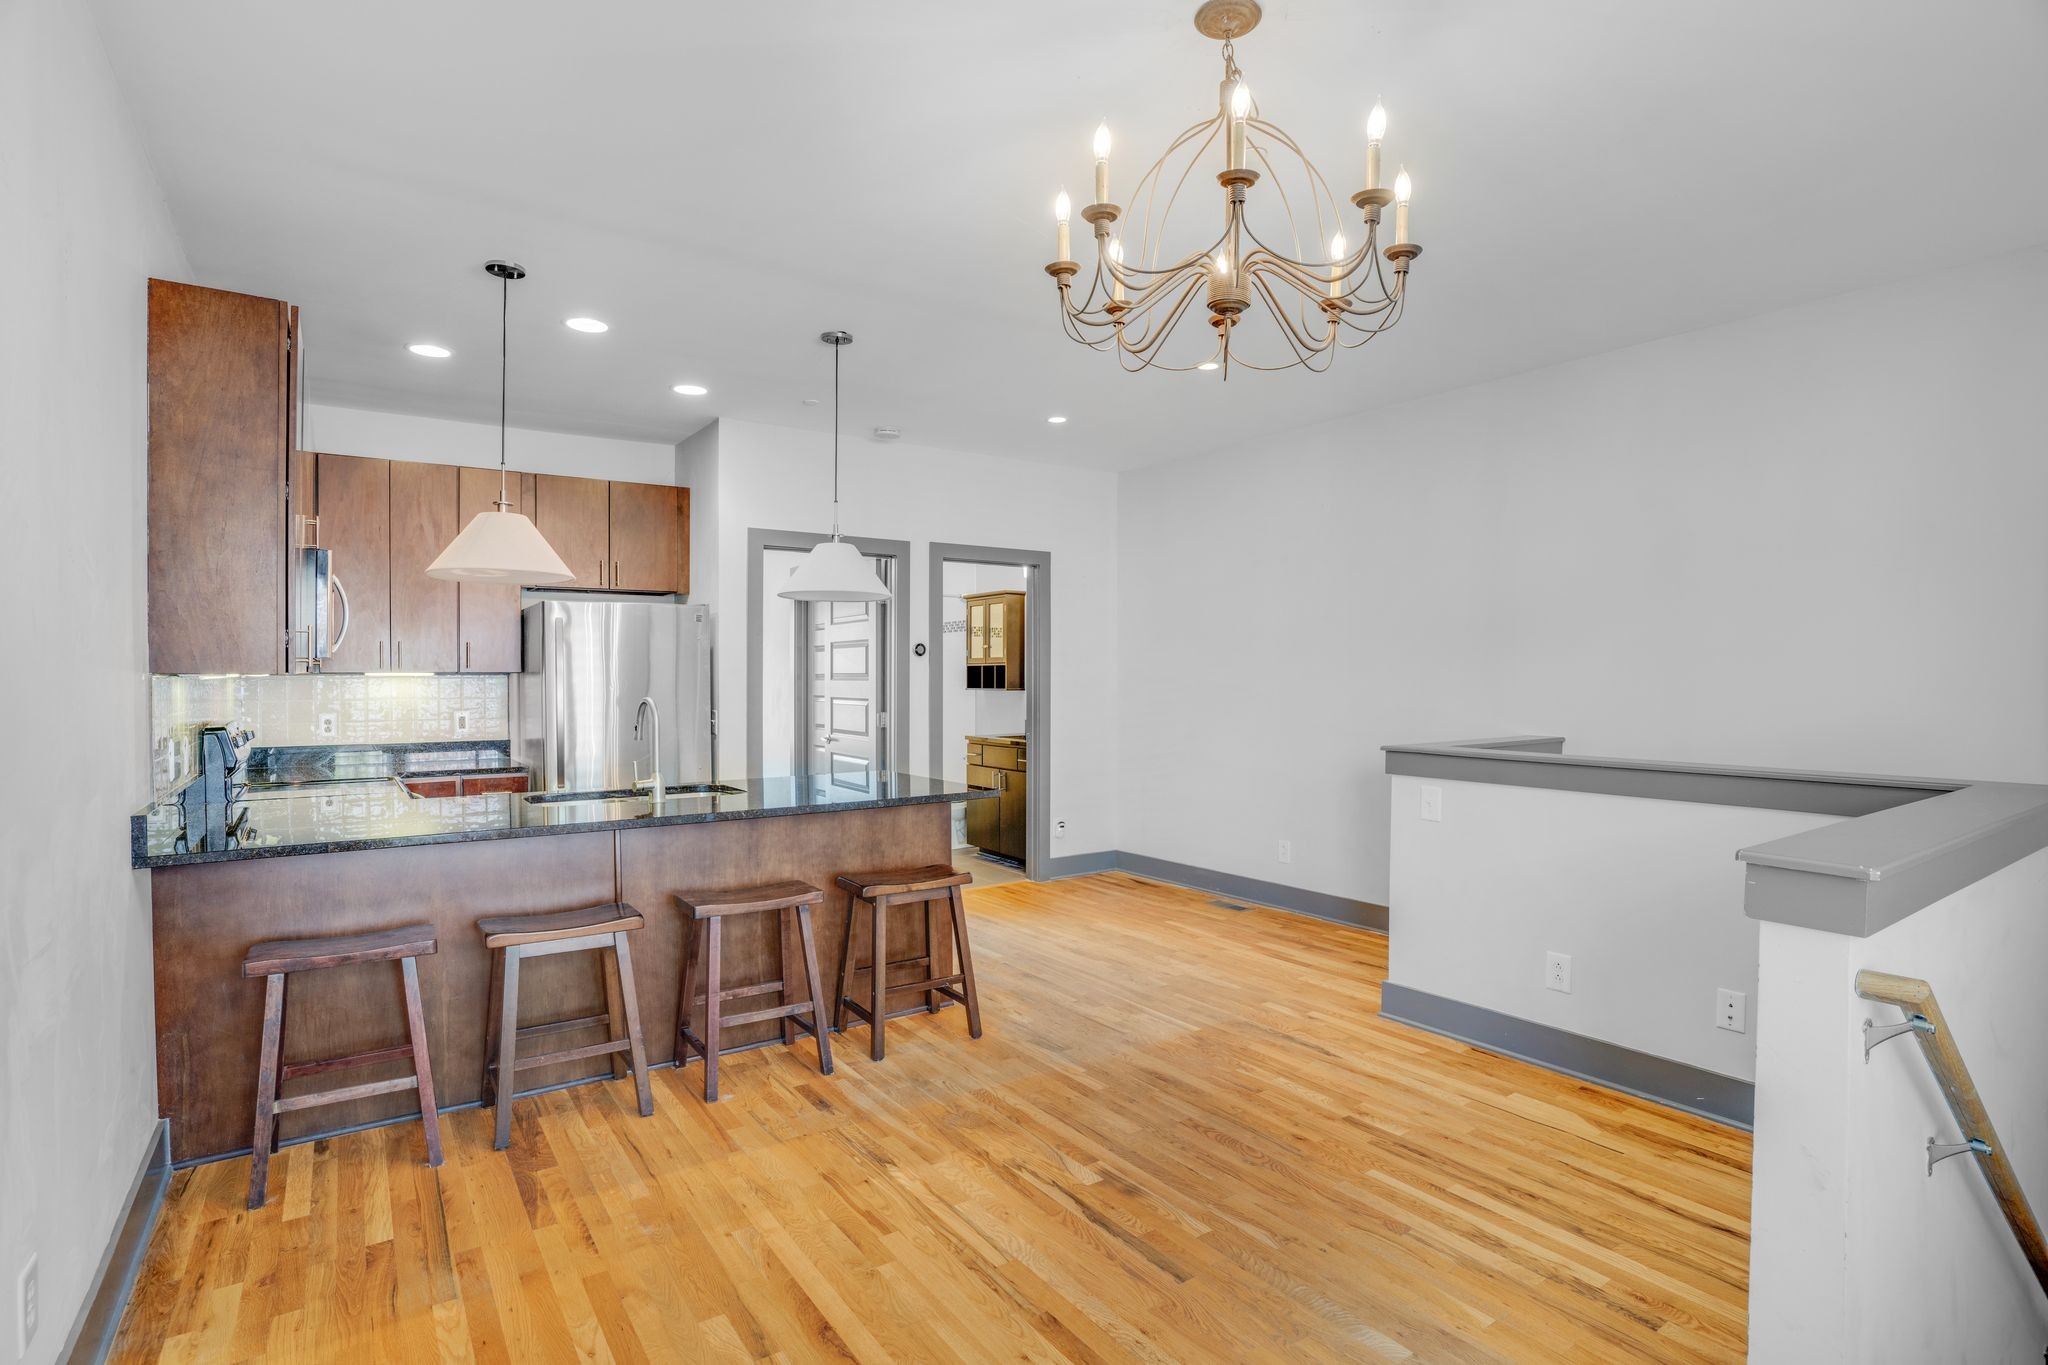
586 324
430 350
1206 365
1055 420
692 390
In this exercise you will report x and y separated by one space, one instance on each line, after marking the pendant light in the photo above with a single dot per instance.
502 546
835 571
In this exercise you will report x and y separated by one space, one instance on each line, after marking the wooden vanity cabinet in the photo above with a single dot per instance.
220 382
997 762
575 516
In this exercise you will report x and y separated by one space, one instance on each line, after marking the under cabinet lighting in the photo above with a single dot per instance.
1055 420
430 350
691 390
586 324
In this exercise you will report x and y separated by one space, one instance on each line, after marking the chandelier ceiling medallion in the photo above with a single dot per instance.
1342 298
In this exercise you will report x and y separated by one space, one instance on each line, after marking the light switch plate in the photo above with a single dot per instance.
1432 803
1286 851
461 723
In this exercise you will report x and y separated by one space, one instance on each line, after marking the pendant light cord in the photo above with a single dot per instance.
504 350
835 440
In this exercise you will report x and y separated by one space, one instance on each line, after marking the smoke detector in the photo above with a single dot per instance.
888 434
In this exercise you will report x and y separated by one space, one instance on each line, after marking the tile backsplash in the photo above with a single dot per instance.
290 709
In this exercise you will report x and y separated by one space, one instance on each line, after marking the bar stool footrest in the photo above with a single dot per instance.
293 1070
286 1104
572 1054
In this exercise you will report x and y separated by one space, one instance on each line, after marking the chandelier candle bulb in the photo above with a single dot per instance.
1240 107
1375 133
1403 189
1062 210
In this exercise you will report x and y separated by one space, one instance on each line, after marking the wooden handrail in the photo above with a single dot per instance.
1945 1059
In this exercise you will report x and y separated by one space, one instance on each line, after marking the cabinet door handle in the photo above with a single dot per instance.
600 573
398 655
465 655
615 573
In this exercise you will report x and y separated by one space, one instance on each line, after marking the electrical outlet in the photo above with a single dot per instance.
1557 972
1731 1010
28 1306
327 725
461 723
1432 803
1059 829
1286 853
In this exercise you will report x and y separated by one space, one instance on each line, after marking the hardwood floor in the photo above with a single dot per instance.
1187 1136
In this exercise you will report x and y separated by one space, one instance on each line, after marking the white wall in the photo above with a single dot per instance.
1856 1253
1644 896
1810 539
779 478
82 228
437 440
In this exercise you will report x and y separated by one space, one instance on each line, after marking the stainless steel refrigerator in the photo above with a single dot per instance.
587 667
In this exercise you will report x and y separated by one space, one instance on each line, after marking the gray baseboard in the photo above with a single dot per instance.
1709 1094
1320 904
92 1336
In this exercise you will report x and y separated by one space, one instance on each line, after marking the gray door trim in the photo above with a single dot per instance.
1037 679
896 641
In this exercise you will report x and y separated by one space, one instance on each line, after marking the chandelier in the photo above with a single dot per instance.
1342 299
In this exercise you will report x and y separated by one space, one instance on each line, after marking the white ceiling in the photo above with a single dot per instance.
720 183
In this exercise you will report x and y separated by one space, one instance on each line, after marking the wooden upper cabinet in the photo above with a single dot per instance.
423 610
219 403
575 516
647 553
355 524
488 614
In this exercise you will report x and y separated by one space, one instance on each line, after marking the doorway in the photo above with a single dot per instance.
824 675
990 702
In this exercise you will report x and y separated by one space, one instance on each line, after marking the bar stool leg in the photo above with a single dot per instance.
620 962
931 953
416 1027
691 929
711 1010
266 1089
880 907
819 1029
490 1090
845 983
508 1048
614 1011
785 926
966 957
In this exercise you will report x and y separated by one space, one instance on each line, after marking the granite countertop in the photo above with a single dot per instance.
374 814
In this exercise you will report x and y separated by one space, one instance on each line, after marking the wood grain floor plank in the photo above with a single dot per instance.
1187 1136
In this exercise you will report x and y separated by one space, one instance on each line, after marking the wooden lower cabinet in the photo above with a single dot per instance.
487 615
423 610
1000 826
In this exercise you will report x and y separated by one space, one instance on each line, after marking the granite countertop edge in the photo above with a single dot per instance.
139 833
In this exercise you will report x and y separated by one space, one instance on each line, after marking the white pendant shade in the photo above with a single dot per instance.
501 547
835 571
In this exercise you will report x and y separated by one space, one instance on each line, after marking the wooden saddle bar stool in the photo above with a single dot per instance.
513 938
706 912
906 886
275 962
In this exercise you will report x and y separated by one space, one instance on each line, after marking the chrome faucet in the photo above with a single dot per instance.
648 711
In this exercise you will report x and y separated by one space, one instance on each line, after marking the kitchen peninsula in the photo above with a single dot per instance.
323 864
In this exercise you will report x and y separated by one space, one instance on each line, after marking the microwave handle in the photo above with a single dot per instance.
334 579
